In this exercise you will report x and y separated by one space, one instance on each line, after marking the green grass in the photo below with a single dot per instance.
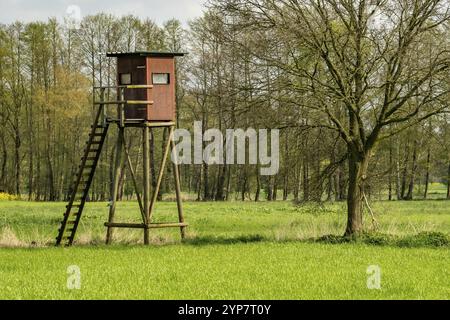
234 251
38 222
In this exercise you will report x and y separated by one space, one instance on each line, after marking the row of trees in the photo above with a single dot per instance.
359 90
47 71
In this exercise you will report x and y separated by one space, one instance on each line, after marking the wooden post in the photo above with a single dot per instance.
146 183
161 173
149 200
122 107
102 106
178 190
118 167
133 176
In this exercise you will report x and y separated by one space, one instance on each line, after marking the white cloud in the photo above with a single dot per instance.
157 10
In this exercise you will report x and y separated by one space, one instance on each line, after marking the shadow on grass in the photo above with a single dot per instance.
210 240
423 239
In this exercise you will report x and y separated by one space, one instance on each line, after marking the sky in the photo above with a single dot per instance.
157 10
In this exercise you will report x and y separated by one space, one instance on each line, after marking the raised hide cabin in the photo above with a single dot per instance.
148 68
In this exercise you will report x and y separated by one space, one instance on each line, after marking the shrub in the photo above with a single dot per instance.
7 197
333 239
425 239
377 239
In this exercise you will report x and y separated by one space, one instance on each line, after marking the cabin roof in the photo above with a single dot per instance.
155 54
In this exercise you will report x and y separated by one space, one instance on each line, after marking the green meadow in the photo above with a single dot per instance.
234 250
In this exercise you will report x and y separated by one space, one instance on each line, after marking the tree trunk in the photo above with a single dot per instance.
17 144
269 189
390 172
227 191
51 177
357 168
3 166
404 174
305 180
285 187
275 188
412 177
398 184
340 183
258 184
243 183
199 182
30 144
330 188
427 174
448 182
206 196
221 183
297 182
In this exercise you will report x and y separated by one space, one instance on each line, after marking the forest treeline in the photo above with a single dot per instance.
303 67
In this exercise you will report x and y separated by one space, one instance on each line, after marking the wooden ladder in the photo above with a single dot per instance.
83 181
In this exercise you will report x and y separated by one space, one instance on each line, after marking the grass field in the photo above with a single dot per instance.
234 251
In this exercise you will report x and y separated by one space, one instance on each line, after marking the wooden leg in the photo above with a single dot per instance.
146 164
161 173
176 175
133 177
118 167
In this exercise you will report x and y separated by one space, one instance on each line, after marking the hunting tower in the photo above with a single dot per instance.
144 99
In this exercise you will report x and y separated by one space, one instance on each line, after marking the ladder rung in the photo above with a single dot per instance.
88 158
96 134
168 225
66 230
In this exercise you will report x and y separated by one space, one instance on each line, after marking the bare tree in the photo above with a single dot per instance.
373 68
